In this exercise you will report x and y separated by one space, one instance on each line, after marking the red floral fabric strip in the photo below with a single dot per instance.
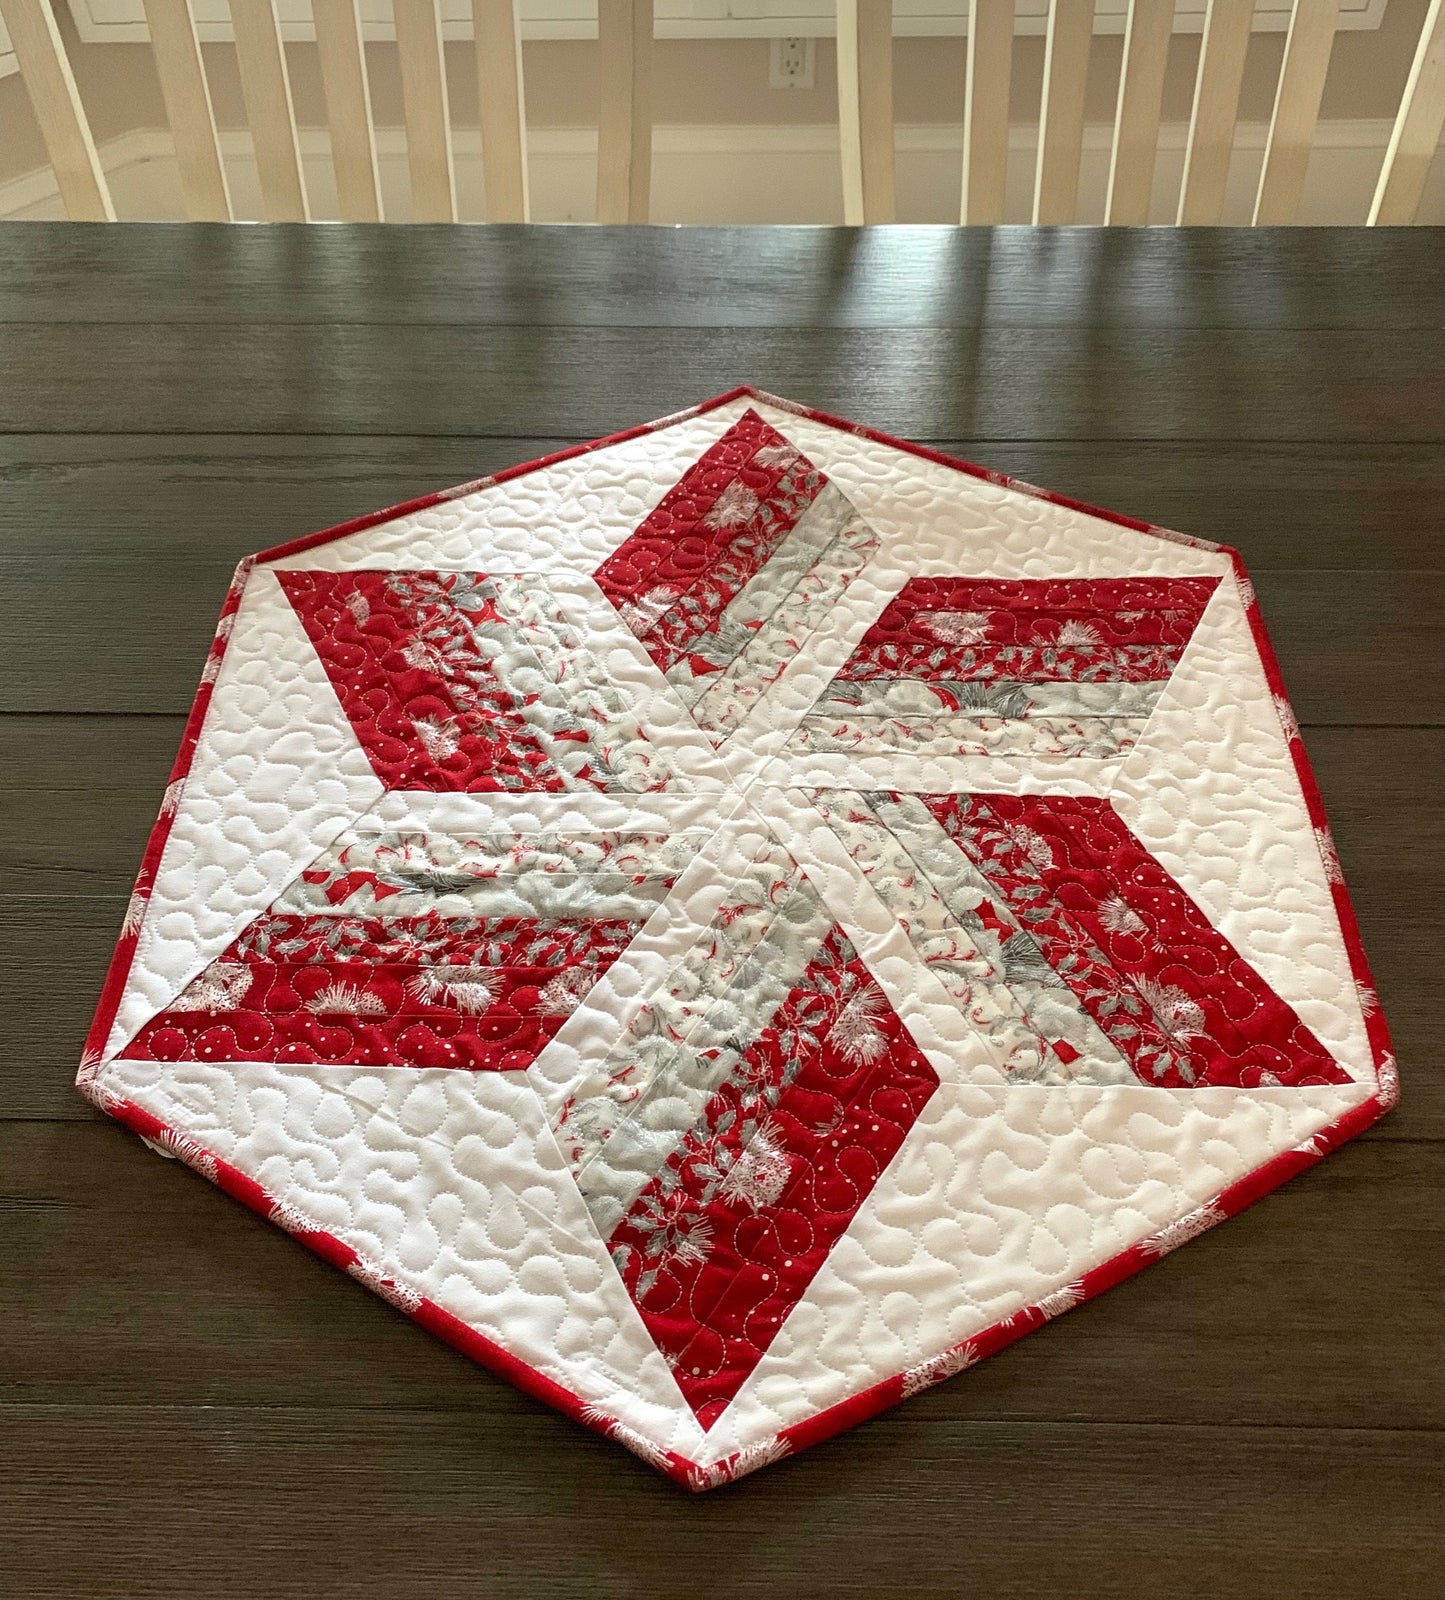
1181 1004
421 695
726 1238
501 941
708 536
412 968
1086 629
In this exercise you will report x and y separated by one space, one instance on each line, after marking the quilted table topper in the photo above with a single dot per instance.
732 924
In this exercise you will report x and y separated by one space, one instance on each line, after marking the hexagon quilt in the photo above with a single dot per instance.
731 924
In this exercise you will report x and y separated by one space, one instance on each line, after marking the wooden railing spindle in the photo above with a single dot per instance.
1222 50
45 72
624 118
187 98
985 109
424 104
865 109
348 108
266 89
1417 129
1061 110
498 36
1307 50
1147 31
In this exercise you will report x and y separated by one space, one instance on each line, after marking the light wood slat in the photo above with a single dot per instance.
424 103
50 84
1061 110
1417 129
865 109
1307 50
266 89
1222 50
498 35
187 99
624 120
1147 32
348 108
985 109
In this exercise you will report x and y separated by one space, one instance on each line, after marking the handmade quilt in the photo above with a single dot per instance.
732 924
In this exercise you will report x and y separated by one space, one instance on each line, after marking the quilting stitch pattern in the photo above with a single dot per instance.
721 1054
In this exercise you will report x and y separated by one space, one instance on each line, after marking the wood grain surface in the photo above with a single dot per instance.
190 1404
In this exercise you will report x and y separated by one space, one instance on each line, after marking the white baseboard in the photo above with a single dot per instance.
739 173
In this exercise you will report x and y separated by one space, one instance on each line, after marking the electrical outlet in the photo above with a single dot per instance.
791 63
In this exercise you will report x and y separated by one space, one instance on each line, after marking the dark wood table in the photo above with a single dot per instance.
193 1405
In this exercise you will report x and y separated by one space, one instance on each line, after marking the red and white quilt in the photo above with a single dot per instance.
732 924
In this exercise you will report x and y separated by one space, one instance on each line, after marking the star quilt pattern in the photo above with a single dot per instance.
732 924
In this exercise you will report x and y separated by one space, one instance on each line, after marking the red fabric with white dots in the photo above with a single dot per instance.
369 1012
1183 1007
714 1278
403 703
1087 630
675 576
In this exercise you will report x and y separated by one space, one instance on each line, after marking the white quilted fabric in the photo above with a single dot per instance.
1001 1195
1213 792
277 774
566 519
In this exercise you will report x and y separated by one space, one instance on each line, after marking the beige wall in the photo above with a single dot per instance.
712 82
